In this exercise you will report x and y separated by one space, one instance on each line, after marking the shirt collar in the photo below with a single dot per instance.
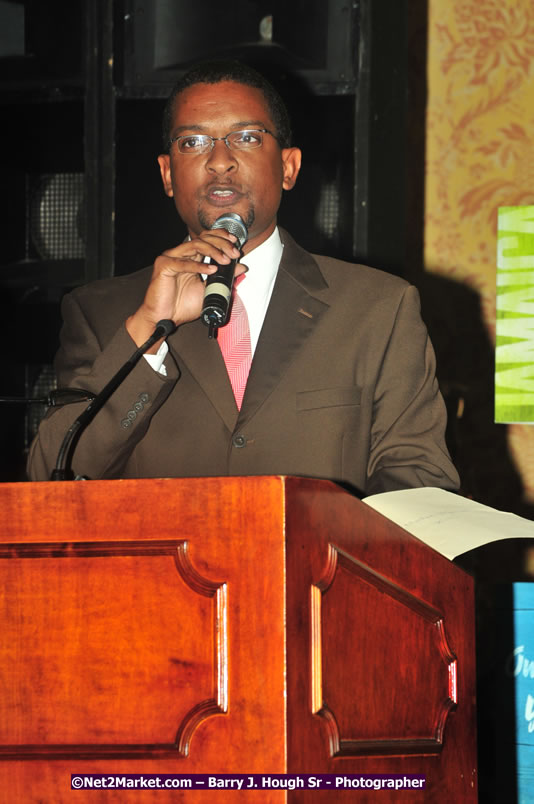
262 263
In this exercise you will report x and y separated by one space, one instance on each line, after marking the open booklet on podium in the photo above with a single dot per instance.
447 522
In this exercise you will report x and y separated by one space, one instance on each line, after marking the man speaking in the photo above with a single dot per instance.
324 369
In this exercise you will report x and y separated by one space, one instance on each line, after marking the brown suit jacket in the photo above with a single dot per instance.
342 386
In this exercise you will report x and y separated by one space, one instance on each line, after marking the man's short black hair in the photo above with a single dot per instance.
213 72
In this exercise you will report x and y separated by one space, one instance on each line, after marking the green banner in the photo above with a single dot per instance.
514 354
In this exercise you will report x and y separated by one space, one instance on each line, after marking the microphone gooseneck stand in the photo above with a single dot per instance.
55 399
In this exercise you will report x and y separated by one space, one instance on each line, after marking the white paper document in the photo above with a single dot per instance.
449 523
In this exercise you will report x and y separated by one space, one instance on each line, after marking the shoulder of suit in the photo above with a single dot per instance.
341 274
114 284
344 272
132 285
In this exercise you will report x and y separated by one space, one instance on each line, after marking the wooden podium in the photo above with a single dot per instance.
241 625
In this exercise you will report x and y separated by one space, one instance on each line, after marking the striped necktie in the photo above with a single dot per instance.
234 342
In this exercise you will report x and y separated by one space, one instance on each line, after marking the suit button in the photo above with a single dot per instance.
239 441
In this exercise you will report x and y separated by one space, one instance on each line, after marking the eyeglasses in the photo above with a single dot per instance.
245 140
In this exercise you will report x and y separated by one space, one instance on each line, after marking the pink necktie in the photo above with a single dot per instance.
234 342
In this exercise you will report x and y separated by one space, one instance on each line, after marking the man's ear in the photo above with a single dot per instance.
291 159
164 162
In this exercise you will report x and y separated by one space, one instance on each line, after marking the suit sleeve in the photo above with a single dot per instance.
409 417
88 361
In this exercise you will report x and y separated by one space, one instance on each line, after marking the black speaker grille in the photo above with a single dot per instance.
56 216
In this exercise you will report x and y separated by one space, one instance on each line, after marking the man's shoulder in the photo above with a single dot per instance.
115 285
121 293
342 275
343 272
106 303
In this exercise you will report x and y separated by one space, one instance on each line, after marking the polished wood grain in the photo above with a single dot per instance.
132 613
388 626
242 625
401 637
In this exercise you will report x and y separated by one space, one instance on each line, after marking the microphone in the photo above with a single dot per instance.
218 293
62 470
56 398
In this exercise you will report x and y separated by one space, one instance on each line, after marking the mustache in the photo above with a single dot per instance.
218 184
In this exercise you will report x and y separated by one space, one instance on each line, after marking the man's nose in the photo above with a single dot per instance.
221 159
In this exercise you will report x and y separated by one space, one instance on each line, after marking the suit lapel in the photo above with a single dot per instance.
291 318
202 356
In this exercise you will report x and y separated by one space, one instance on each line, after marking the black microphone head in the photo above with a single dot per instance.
234 224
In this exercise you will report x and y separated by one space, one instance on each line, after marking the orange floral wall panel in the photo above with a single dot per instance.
479 149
